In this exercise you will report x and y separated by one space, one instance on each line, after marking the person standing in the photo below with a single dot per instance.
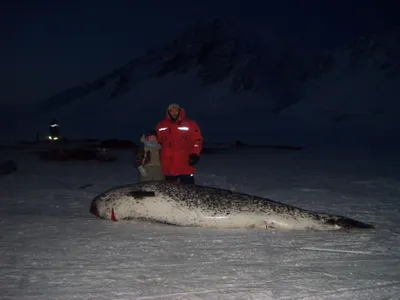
181 141
148 158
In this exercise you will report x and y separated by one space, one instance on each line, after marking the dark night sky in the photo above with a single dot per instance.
48 46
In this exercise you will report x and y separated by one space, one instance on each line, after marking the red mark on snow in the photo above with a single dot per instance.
112 215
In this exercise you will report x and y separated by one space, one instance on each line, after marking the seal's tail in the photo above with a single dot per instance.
347 223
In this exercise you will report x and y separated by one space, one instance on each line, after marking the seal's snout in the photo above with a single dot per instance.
94 210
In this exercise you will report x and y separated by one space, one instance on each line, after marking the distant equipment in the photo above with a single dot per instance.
54 130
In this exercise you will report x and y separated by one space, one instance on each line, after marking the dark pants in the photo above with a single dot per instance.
184 179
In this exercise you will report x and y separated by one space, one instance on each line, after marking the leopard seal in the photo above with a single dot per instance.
203 206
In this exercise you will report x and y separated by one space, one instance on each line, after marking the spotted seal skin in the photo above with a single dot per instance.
201 206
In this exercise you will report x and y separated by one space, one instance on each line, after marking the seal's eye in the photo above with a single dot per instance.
141 194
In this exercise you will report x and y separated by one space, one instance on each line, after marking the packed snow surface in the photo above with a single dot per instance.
53 248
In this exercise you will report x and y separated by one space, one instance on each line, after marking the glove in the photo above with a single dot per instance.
193 159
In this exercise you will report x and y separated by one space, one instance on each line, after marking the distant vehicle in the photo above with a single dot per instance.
54 130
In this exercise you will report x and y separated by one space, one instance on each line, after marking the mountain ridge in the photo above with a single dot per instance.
213 49
241 87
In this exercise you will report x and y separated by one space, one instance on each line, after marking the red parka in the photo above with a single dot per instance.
178 138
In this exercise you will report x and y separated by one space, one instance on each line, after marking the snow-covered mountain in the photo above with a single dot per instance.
214 54
355 89
237 85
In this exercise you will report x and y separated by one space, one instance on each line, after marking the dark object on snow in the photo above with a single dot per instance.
85 186
72 154
211 150
8 167
102 154
284 147
215 147
239 144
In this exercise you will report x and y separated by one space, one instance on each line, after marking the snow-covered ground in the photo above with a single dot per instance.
52 248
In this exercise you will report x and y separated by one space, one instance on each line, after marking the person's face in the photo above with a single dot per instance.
152 138
174 112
